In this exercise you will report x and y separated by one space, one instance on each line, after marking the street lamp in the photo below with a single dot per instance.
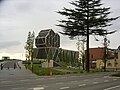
106 44
32 60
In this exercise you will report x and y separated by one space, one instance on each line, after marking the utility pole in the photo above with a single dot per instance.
32 60
106 41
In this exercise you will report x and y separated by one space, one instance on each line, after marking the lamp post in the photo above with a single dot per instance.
115 57
106 44
32 60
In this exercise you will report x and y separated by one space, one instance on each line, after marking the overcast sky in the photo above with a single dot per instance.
18 17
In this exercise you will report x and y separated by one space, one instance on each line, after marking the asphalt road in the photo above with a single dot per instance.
23 79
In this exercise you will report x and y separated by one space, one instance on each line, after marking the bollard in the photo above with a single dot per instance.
1 66
51 73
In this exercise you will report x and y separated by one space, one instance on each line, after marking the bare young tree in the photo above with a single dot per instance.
29 44
81 49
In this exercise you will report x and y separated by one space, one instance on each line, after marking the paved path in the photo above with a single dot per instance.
17 72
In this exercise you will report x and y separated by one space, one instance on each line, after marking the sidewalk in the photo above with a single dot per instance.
17 72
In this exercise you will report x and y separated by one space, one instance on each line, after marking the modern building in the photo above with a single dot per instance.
48 43
47 38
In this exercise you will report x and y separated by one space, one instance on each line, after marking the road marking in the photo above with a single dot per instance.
25 80
82 85
106 81
45 86
76 76
95 82
74 81
114 79
86 80
39 85
63 77
64 88
52 78
20 78
106 76
6 81
38 88
112 87
89 75
40 79
17 88
30 88
96 78
73 76
60 83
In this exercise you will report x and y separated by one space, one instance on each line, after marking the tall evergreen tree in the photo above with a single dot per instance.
89 17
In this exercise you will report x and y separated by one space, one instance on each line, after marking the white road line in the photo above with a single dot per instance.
52 78
6 81
112 87
39 88
45 86
76 76
39 79
20 78
95 82
15 88
39 85
96 78
106 81
30 88
89 75
64 88
86 80
63 77
59 83
106 76
114 79
73 76
82 85
25 80
74 81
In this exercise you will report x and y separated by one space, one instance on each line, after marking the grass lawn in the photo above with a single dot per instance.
44 71
59 70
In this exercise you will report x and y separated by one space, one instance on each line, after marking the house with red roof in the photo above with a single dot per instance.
97 54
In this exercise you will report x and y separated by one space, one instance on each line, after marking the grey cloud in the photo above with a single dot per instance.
9 44
17 17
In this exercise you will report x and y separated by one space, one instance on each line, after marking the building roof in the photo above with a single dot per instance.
96 53
47 38
43 33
